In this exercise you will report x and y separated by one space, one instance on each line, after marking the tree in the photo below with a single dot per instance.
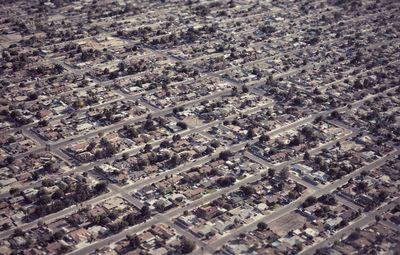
299 188
264 138
145 212
33 96
59 234
225 155
159 206
327 199
134 241
164 144
182 125
147 147
311 200
343 223
14 191
306 156
58 194
271 172
299 246
49 167
43 123
284 173
9 160
187 246
251 133
5 226
318 119
383 195
335 115
19 232
245 89
234 91
125 156
101 187
322 251
297 140
317 91
113 75
176 137
48 182
121 66
247 190
261 226
130 218
362 186
354 236
226 181
215 143
91 146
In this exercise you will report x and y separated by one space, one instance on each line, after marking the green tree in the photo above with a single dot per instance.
271 172
134 241
311 200
101 187
251 133
225 155
261 226
284 173
187 246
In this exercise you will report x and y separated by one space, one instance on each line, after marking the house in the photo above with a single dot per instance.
79 147
278 156
368 155
321 176
208 212
310 232
24 176
96 230
159 251
83 126
237 249
58 225
7 182
97 211
54 247
162 231
114 203
365 199
194 193
202 231
332 223
147 238
80 235
301 169
222 226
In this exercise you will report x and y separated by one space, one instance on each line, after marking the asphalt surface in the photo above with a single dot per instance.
167 216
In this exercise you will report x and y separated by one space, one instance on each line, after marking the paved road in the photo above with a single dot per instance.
178 211
273 216
57 215
145 182
158 113
294 205
148 181
124 191
361 222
